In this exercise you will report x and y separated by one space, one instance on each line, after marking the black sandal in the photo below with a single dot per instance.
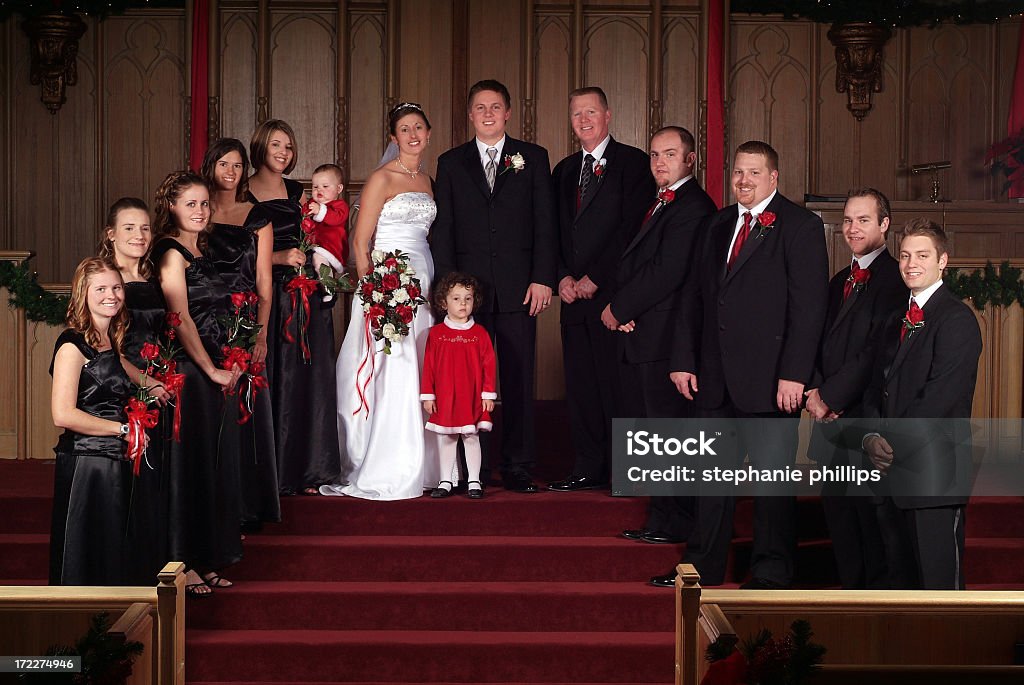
192 589
441 493
215 580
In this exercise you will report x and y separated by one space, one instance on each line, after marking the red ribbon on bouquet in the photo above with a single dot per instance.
300 284
367 357
254 381
174 383
140 417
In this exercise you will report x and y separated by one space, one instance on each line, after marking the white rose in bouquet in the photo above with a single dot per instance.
377 296
377 255
389 332
400 296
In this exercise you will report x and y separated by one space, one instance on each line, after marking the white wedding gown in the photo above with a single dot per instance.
386 454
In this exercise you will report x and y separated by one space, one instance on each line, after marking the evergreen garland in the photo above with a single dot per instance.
105 661
1002 288
25 293
92 8
894 13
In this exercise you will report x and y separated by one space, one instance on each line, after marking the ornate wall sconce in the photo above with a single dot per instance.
54 43
858 63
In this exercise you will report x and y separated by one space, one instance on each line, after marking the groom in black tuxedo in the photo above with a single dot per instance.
752 314
602 192
496 221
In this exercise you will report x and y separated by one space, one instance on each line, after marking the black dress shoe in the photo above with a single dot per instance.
519 482
477 492
657 537
667 580
762 584
577 483
441 493
635 533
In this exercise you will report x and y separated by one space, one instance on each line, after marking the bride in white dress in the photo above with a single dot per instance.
380 418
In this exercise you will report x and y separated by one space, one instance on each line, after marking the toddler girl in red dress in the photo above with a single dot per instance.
457 385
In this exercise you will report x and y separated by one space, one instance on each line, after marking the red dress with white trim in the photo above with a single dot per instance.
458 373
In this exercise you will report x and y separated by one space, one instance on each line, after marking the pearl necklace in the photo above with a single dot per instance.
407 170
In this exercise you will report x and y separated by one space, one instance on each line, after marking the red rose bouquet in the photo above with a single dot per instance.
390 294
242 331
161 366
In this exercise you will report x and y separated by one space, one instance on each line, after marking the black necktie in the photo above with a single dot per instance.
585 176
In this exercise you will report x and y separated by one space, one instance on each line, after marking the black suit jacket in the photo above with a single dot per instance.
592 239
507 238
742 330
653 268
931 375
851 329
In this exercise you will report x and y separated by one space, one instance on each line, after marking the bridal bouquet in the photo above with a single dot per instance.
390 293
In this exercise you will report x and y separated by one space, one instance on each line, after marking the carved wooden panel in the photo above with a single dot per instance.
238 75
554 81
425 69
494 50
367 126
42 434
948 106
302 84
8 372
770 94
680 83
621 72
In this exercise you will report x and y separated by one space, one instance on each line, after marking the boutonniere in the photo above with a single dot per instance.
514 163
765 223
666 195
913 320
858 280
600 167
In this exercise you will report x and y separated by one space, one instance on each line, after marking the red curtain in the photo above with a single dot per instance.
716 105
1015 122
200 85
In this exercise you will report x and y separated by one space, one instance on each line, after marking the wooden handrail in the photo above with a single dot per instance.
868 601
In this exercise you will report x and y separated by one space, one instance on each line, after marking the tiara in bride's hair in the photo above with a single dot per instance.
405 105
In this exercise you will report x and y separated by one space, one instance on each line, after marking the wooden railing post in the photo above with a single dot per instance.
171 605
687 613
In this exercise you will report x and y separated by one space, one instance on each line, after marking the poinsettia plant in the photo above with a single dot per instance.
764 660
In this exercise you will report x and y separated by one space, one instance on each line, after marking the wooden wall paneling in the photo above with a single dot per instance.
848 153
770 91
42 434
367 79
948 108
6 158
425 67
495 49
303 53
341 76
1005 61
528 75
554 82
655 69
681 79
238 74
144 100
264 55
12 325
618 71
213 49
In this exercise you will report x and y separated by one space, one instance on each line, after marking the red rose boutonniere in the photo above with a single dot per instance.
912 321
600 167
666 195
765 223
858 280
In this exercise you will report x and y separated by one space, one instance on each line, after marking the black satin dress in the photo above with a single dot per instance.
147 523
303 395
205 495
233 251
92 483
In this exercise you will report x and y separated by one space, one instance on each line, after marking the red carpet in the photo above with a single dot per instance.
513 589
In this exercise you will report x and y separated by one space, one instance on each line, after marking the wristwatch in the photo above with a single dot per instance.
124 430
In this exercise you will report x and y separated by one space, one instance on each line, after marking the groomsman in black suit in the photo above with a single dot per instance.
927 370
861 298
750 322
653 268
602 192
496 221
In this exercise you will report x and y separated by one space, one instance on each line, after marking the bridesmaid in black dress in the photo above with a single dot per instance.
89 394
302 391
205 502
242 246
127 237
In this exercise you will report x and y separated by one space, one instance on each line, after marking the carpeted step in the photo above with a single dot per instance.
575 514
26 514
24 555
994 561
995 517
506 606
451 558
378 682
428 656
